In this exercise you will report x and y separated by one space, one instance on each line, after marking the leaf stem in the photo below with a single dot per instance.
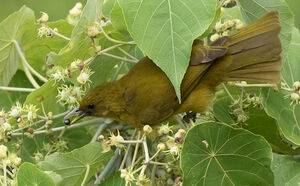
86 174
59 35
228 93
22 56
30 78
127 151
126 53
114 40
17 89
120 58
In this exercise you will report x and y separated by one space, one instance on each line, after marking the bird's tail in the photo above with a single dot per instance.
255 51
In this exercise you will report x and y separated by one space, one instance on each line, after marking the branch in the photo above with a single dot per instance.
77 125
17 89
59 35
22 56
120 58
126 53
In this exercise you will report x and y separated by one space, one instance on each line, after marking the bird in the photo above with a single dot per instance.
145 95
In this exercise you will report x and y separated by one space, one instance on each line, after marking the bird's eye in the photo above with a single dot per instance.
91 106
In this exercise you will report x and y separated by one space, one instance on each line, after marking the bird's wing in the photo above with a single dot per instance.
202 58
204 54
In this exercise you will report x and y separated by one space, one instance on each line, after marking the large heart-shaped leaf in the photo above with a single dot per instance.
217 154
165 30
73 166
286 170
30 175
12 28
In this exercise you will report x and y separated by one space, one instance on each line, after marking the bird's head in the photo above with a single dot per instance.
94 103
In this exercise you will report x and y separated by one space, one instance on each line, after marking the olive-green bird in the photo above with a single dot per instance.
145 95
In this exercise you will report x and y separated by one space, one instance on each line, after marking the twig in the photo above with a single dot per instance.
107 167
135 152
86 174
158 163
59 35
126 53
227 91
114 40
77 125
17 89
43 119
127 151
120 58
255 85
147 158
4 172
22 56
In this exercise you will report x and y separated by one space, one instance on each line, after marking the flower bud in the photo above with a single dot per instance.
214 37
161 146
44 18
3 151
180 133
295 96
147 129
296 85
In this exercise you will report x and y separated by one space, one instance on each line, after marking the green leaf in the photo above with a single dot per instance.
114 180
258 123
72 166
12 28
45 95
255 9
80 45
165 30
37 48
118 19
30 175
9 98
217 154
286 170
276 105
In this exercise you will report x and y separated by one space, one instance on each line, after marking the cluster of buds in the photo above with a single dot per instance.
74 14
222 29
5 126
294 93
76 65
58 73
84 76
164 129
93 30
11 162
253 100
127 175
70 95
114 140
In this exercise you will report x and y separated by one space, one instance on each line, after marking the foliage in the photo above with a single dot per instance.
46 68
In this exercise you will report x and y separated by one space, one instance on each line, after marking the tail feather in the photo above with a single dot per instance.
255 51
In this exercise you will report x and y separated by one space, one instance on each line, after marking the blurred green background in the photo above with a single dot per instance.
57 9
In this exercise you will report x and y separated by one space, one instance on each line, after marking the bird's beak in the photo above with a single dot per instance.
75 112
